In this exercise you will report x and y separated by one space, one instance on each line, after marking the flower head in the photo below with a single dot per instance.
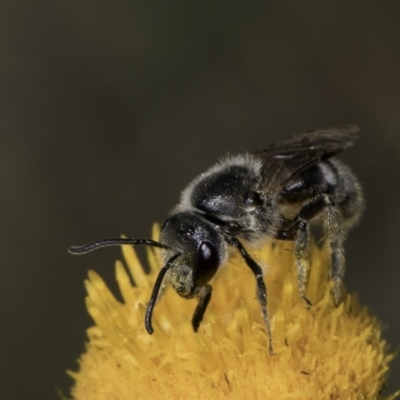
322 352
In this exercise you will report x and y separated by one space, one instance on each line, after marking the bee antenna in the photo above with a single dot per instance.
114 242
156 290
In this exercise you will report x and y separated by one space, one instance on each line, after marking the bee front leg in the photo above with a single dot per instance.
204 296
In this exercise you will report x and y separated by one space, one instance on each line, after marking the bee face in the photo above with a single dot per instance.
201 251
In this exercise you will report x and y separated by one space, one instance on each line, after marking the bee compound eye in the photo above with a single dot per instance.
207 263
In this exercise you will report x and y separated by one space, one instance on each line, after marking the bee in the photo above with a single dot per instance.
271 194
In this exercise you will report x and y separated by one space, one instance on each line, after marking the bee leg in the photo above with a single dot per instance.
204 298
302 259
309 211
260 288
154 294
336 235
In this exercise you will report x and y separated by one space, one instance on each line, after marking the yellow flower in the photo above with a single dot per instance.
321 353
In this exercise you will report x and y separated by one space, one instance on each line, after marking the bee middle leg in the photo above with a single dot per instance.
260 287
309 211
297 230
335 235
302 259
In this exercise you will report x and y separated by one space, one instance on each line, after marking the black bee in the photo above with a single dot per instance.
274 193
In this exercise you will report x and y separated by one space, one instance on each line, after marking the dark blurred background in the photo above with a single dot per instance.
109 108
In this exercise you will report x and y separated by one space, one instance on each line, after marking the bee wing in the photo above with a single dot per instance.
283 160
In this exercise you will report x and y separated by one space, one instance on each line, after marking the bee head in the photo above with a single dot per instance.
201 251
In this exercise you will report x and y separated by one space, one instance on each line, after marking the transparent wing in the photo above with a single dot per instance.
285 159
